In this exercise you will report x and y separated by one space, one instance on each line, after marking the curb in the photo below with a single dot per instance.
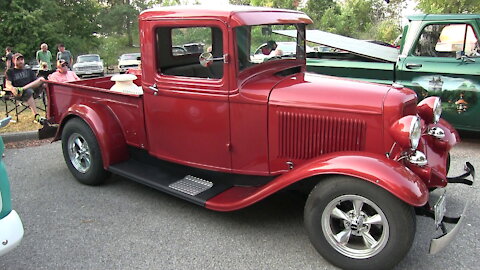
19 136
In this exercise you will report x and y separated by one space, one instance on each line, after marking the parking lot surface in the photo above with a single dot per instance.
125 225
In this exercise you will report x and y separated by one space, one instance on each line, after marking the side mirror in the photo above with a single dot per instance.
207 59
460 55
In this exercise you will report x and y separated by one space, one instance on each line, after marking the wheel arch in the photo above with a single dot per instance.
103 123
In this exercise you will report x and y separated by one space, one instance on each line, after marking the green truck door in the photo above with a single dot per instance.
431 68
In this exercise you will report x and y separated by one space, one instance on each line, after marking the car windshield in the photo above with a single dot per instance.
88 58
261 43
133 56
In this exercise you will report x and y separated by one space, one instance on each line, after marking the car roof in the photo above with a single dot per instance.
234 14
442 17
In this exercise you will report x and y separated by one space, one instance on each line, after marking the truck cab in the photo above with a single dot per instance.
220 129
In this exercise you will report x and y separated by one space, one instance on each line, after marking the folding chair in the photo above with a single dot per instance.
14 104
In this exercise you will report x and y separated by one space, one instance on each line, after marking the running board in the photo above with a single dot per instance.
173 182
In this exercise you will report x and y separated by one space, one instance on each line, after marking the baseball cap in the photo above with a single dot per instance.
17 55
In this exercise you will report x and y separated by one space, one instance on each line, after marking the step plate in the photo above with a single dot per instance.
191 185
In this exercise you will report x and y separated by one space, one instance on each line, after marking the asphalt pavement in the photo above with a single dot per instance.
125 225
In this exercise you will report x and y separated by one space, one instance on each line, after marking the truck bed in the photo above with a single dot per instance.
65 99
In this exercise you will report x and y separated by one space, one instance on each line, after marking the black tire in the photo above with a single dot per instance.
92 174
393 233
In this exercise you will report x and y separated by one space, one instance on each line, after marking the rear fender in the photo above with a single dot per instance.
374 168
106 128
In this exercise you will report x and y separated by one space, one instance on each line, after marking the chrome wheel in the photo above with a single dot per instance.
79 153
355 226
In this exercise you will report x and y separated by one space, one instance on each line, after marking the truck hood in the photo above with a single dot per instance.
128 62
306 90
354 46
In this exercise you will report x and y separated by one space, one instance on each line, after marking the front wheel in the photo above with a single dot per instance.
358 225
82 153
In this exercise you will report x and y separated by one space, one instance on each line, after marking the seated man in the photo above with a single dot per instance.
63 74
271 49
21 82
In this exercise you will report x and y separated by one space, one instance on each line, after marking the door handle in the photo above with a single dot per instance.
413 66
154 89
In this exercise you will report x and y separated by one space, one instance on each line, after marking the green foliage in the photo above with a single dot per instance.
448 6
25 24
287 4
316 10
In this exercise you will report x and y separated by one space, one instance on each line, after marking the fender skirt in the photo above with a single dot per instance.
104 125
374 168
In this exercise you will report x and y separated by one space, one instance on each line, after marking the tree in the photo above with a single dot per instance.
448 6
316 9
287 4
25 24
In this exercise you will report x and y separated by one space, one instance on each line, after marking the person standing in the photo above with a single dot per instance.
65 55
44 55
8 58
22 82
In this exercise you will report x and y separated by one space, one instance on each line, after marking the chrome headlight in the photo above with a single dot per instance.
430 110
407 131
415 133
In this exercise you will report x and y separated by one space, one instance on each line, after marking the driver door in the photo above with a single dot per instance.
186 104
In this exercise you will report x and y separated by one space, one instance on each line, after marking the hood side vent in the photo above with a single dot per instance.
304 136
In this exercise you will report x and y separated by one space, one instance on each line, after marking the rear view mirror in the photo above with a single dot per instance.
267 31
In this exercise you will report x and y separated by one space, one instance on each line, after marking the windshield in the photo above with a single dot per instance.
261 43
133 56
88 58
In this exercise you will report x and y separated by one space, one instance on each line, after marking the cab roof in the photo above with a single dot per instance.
231 14
442 17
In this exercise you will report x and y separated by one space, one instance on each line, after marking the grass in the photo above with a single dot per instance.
25 119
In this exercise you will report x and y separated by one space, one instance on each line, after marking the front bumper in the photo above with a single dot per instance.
439 243
11 232
89 72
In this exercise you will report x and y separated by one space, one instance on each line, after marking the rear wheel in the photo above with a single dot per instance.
82 153
358 225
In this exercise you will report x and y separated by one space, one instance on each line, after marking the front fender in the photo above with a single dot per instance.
374 168
104 125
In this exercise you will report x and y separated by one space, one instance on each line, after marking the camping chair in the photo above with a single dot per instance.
15 105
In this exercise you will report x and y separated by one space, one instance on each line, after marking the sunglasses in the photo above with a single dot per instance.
64 65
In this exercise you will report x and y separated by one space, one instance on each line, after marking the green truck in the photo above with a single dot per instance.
439 55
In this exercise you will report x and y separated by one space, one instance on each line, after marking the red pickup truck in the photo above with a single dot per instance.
222 130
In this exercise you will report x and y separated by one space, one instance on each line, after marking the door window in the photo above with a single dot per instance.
178 51
445 40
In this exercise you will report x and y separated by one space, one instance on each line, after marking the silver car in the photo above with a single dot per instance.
89 65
